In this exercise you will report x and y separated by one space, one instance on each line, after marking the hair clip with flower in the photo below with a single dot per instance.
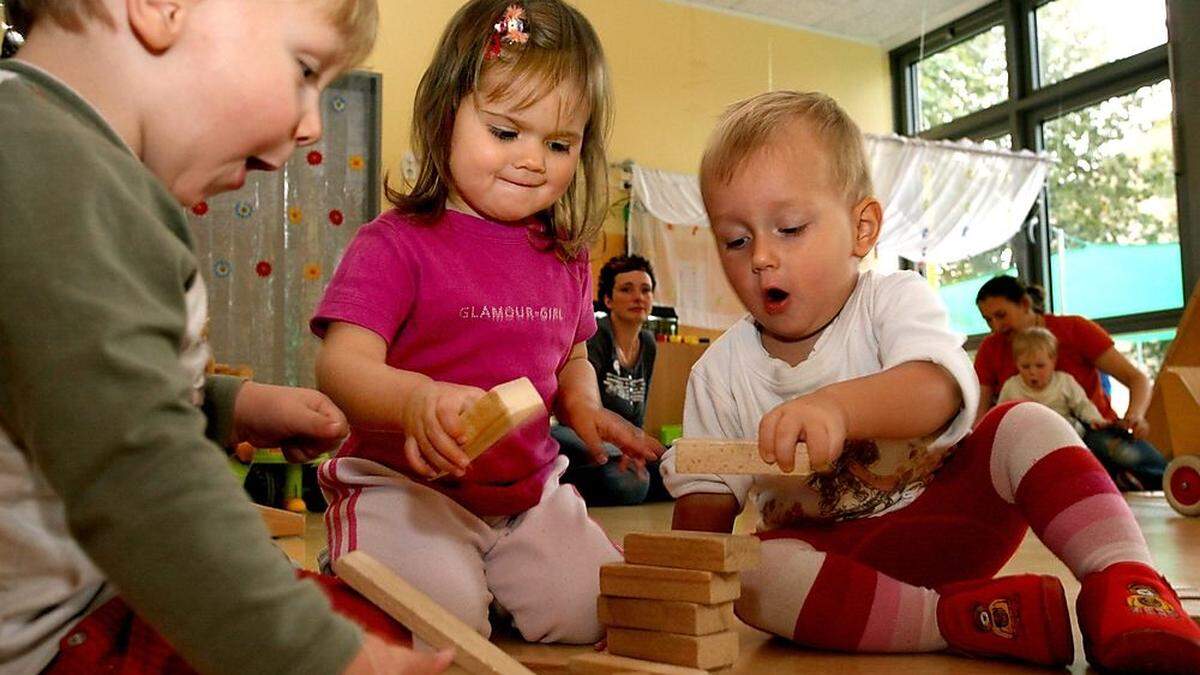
510 29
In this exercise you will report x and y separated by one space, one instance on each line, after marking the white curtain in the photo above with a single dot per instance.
945 201
942 202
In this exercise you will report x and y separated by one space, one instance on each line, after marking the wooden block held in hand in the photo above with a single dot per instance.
667 583
668 616
693 550
424 617
693 651
504 408
597 663
281 523
725 456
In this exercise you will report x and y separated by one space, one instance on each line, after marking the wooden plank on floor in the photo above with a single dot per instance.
726 456
667 583
692 651
668 616
693 550
424 617
598 663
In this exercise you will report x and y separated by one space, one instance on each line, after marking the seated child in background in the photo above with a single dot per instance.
1036 350
891 546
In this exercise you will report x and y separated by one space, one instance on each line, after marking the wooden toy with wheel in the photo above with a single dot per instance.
1181 399
1175 412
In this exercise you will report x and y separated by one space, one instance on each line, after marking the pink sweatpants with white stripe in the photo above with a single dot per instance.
869 585
542 566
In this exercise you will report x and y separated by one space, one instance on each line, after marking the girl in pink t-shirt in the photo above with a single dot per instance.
479 275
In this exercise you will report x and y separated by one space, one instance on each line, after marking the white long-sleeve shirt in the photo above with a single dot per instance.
1062 394
887 320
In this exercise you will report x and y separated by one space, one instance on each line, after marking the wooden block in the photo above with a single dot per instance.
693 550
668 616
424 617
725 456
1180 387
502 409
597 663
294 548
693 651
667 583
281 523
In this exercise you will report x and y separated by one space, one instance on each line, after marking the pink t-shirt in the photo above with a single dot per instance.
473 302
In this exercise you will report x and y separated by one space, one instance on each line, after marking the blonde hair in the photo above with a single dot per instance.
356 20
562 47
1034 339
750 124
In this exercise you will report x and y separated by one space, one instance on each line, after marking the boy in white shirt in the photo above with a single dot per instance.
891 546
1036 352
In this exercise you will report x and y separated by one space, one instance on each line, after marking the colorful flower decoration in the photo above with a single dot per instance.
222 268
243 210
314 158
263 268
356 162
510 29
339 103
336 217
312 271
295 215
200 208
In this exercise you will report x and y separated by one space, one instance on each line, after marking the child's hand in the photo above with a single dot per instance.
379 657
303 423
596 425
435 433
817 421
1136 426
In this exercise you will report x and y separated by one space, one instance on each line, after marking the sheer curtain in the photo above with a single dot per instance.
943 201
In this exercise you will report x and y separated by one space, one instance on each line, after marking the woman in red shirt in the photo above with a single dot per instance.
1084 350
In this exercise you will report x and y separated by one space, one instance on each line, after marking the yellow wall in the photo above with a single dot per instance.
674 66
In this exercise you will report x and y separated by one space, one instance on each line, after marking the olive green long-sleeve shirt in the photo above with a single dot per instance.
107 479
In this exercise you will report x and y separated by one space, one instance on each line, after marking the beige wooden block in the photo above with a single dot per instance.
693 550
424 617
693 651
502 409
668 616
597 663
725 456
668 583
281 523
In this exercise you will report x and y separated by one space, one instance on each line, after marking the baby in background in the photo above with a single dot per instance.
1036 352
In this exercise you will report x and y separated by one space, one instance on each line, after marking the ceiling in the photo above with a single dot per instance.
885 23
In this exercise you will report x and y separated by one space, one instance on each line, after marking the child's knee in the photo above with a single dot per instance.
559 616
774 592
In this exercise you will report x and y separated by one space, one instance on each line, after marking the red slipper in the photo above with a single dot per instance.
1020 617
1132 621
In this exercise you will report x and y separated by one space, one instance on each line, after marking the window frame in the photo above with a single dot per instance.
1028 106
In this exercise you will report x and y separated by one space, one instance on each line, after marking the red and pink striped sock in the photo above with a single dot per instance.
1064 492
830 601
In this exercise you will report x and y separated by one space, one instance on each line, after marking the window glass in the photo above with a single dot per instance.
1078 35
1114 229
969 76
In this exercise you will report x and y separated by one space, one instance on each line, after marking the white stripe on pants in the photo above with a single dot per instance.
542 566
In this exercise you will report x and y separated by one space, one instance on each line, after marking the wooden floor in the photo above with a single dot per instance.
1173 539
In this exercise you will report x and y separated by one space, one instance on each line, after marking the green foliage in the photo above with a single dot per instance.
1109 185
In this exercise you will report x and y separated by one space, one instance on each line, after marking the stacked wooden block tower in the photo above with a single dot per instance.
671 601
